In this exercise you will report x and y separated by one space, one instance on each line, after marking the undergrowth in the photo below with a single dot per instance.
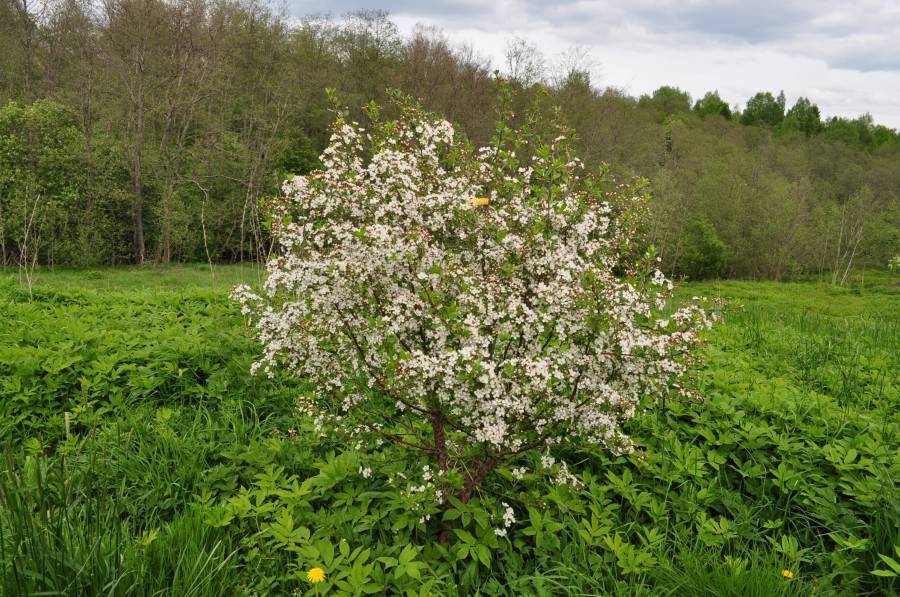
140 458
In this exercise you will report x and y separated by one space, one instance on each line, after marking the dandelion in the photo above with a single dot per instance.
787 574
315 575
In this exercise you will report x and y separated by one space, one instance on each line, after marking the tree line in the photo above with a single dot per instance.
137 131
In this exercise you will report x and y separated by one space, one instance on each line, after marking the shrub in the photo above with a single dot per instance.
705 254
465 305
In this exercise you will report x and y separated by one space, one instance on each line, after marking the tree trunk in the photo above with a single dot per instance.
137 207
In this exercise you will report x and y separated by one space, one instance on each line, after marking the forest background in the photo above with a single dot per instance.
136 131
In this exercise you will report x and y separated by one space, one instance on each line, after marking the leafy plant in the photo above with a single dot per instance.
181 474
467 306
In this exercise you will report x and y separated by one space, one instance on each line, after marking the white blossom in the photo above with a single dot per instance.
509 516
400 298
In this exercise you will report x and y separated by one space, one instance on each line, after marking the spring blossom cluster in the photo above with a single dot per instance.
472 304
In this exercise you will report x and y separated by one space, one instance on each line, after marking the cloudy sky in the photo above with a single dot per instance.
843 55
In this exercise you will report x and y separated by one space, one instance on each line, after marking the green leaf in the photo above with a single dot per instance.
484 554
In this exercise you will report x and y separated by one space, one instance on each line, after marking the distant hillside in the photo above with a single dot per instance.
143 130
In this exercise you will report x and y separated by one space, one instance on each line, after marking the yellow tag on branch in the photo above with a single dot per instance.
478 201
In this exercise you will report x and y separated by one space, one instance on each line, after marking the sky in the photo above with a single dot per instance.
843 55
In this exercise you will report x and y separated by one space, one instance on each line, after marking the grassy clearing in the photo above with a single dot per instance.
139 457
188 277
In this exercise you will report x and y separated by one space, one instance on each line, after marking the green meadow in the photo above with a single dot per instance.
140 457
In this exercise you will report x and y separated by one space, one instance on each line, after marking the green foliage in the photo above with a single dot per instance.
705 255
60 534
179 475
859 132
49 207
711 103
892 570
255 110
666 101
299 156
764 109
40 170
804 117
90 353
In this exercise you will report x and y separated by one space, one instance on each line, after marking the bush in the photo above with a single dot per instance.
705 254
463 305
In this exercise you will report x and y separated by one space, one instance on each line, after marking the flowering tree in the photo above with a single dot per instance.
468 305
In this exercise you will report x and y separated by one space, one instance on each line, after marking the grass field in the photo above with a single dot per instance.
141 458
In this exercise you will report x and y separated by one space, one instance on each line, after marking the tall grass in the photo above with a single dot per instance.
61 535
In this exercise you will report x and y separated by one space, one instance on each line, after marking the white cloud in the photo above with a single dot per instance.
843 56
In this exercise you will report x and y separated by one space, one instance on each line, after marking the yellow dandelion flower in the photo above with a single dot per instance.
478 201
315 575
787 574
